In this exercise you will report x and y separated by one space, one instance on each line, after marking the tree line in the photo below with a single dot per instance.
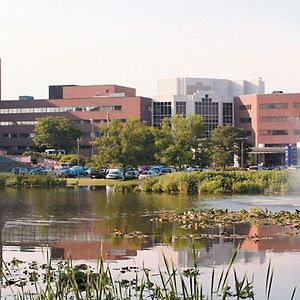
179 141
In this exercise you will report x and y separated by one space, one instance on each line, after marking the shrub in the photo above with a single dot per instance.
212 182
33 181
247 187
123 187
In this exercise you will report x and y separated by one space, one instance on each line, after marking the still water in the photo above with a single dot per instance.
83 223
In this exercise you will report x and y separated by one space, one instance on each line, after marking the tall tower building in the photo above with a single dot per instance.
0 79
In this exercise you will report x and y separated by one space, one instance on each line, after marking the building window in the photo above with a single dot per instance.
161 110
5 135
209 111
274 119
248 133
24 135
295 118
273 105
227 113
245 107
274 132
181 108
245 120
296 105
297 132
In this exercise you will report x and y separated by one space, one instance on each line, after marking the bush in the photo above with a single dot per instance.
33 181
247 187
213 182
123 187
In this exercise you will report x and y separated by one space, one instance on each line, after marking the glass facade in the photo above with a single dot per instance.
227 113
59 109
209 111
181 108
161 110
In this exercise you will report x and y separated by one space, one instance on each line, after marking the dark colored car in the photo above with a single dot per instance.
97 174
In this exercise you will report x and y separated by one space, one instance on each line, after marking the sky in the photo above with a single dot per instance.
136 42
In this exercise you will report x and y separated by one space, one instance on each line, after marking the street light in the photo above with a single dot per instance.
78 141
242 149
92 135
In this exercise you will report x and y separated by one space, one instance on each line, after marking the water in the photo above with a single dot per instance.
82 223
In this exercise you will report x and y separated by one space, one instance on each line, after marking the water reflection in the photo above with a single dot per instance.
82 223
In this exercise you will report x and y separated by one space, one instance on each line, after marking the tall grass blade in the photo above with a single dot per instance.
294 293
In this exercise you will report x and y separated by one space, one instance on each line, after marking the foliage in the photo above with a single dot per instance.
224 146
126 144
26 180
214 182
72 159
177 141
56 133
124 187
247 187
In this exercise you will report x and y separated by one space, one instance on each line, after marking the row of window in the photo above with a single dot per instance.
105 108
31 135
94 121
272 119
279 132
17 135
270 106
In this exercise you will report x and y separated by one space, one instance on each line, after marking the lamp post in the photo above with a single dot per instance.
78 141
92 135
242 149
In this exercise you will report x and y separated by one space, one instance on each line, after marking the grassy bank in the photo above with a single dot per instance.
216 182
211 182
24 181
99 182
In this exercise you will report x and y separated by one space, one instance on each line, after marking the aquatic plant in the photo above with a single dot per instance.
64 280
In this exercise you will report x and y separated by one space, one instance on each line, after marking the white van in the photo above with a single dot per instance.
50 151
54 151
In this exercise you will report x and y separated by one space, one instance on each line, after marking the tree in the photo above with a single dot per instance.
224 144
56 132
178 139
126 144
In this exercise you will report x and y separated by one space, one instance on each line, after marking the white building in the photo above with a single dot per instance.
211 98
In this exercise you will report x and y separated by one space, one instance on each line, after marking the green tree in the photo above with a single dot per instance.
126 144
178 140
56 132
224 144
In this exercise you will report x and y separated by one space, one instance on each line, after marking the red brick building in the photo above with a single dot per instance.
89 107
271 121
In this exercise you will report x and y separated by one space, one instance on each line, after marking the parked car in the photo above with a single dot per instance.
92 173
76 170
148 174
158 169
114 174
142 169
37 170
19 170
132 174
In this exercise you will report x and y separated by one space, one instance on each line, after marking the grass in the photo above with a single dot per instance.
98 182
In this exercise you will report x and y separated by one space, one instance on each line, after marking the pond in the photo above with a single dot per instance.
86 223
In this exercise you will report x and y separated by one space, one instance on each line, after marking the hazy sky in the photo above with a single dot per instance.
135 42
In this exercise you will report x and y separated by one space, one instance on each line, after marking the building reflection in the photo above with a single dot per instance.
88 239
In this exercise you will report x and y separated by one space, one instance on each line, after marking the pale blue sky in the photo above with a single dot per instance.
135 42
